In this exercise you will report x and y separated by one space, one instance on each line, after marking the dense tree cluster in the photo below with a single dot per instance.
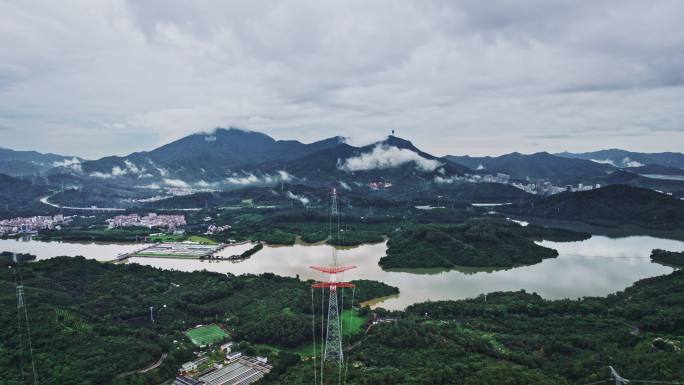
675 258
11 258
474 243
520 338
610 206
90 321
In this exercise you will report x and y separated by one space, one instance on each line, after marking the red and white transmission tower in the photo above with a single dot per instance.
333 338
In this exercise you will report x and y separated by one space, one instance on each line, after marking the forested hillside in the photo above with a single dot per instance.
608 206
90 320
481 243
515 338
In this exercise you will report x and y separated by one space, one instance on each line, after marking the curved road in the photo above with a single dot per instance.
155 365
147 368
44 200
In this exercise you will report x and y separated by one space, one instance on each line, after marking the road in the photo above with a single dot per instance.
147 368
155 365
45 200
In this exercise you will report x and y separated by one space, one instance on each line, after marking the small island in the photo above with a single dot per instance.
672 258
478 243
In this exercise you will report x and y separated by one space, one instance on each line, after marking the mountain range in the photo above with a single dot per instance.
541 165
623 158
229 159
233 158
31 163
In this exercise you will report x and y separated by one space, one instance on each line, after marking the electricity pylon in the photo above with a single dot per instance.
333 337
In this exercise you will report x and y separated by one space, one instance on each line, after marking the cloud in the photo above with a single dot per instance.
303 199
152 186
102 175
448 180
626 162
66 162
454 76
345 186
176 183
383 156
244 180
129 168
73 164
132 168
118 171
604 161
284 176
250 178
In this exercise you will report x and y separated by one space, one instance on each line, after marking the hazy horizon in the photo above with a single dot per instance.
351 141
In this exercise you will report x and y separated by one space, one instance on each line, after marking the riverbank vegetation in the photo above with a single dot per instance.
11 258
673 258
521 338
249 252
96 234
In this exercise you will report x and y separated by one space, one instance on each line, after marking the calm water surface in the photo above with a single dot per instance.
594 267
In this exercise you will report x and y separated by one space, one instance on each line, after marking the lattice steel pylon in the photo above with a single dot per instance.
332 351
333 337
20 297
333 208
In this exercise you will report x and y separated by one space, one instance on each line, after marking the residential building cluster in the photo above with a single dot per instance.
539 187
213 229
32 224
543 187
235 369
150 220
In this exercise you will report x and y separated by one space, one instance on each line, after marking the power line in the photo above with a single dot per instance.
313 331
21 304
322 326
346 366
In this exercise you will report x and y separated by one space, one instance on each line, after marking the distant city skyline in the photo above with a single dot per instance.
93 78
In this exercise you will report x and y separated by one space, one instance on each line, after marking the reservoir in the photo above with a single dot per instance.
594 267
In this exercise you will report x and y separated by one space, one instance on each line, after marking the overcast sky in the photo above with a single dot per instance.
100 77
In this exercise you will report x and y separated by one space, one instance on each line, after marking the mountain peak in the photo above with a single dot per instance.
398 142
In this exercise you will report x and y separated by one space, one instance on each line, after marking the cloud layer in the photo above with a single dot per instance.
304 200
455 77
383 156
249 178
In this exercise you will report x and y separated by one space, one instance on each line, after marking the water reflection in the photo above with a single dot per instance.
594 267
597 266
101 251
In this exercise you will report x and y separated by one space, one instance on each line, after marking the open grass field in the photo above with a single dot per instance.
166 238
170 238
206 335
356 321
201 240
